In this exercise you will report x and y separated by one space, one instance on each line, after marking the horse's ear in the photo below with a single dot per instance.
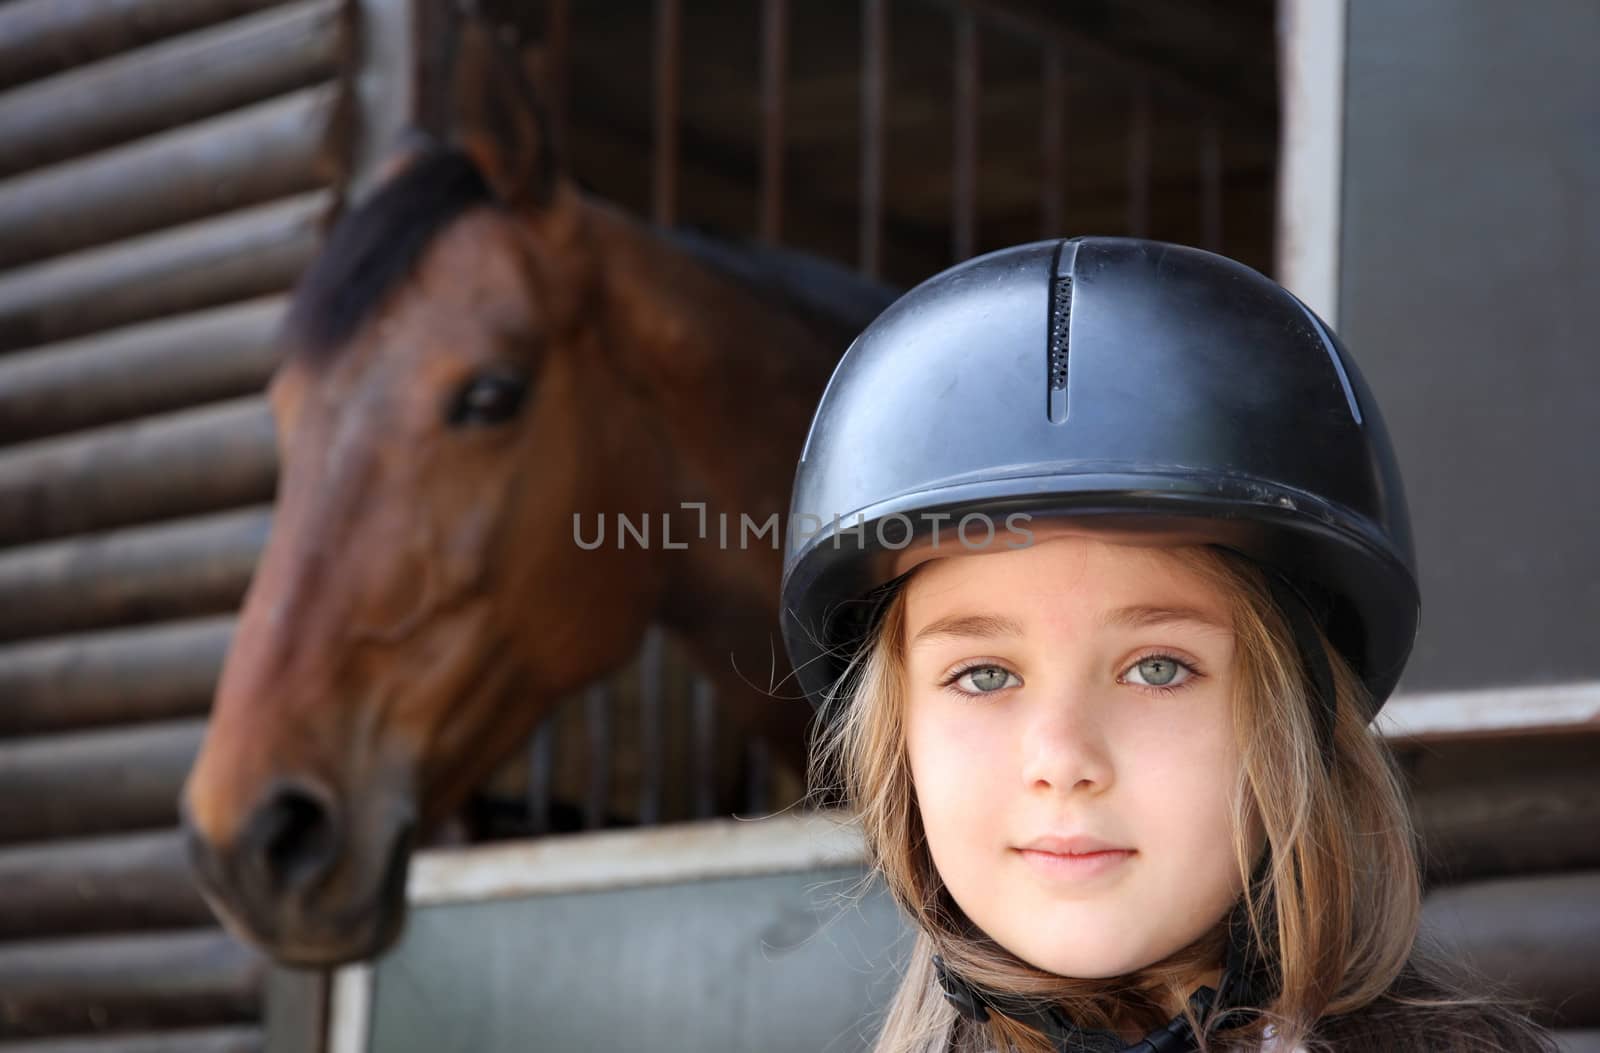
499 121
410 145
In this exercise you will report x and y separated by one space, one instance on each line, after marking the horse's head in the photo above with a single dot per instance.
444 407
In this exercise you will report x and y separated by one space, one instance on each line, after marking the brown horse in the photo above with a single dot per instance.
482 366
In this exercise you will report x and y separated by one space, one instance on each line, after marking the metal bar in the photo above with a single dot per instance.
597 701
774 83
1211 182
1308 233
200 460
758 776
558 51
703 747
295 1019
1052 122
541 773
139 371
874 91
964 185
652 670
170 83
124 676
435 93
145 574
1029 27
243 254
669 24
1139 163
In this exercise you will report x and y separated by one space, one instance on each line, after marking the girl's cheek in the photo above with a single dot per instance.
1190 756
953 745
1195 721
935 722
925 741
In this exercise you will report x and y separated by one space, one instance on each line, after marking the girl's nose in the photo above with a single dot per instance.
1064 748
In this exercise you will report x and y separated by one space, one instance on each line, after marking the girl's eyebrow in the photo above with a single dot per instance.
969 625
988 626
1142 617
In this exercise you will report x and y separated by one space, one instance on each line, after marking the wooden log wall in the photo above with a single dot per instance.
166 170
1533 936
1511 862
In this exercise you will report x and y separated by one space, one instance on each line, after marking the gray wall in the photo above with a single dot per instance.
1469 292
784 963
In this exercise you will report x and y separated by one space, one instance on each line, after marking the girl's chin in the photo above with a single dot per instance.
1077 955
1085 969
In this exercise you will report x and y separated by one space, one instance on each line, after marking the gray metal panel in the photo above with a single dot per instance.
783 963
1470 271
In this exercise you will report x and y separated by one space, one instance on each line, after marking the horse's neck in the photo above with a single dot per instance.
732 381
729 378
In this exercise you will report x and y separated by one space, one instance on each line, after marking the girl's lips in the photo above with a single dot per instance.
1075 845
1076 864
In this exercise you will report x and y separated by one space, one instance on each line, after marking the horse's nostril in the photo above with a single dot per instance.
292 838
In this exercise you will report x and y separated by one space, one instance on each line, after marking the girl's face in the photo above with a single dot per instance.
1069 729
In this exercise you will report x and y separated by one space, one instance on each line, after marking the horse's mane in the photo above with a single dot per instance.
375 246
836 299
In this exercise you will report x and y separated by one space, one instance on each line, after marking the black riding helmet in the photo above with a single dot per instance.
1117 378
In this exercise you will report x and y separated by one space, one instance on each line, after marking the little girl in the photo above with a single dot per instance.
1115 571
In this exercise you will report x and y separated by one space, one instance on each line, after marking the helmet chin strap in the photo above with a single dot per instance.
1303 616
1313 658
1241 989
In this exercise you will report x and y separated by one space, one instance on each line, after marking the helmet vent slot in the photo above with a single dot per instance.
1060 339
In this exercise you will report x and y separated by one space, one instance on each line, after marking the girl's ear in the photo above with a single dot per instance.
498 119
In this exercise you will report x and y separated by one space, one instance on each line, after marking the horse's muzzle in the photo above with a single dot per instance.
305 882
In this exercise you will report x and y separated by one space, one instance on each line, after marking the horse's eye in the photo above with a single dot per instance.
488 398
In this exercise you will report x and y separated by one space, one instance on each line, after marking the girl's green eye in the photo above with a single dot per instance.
984 679
1158 671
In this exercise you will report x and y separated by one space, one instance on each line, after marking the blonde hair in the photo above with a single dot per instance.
1333 910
